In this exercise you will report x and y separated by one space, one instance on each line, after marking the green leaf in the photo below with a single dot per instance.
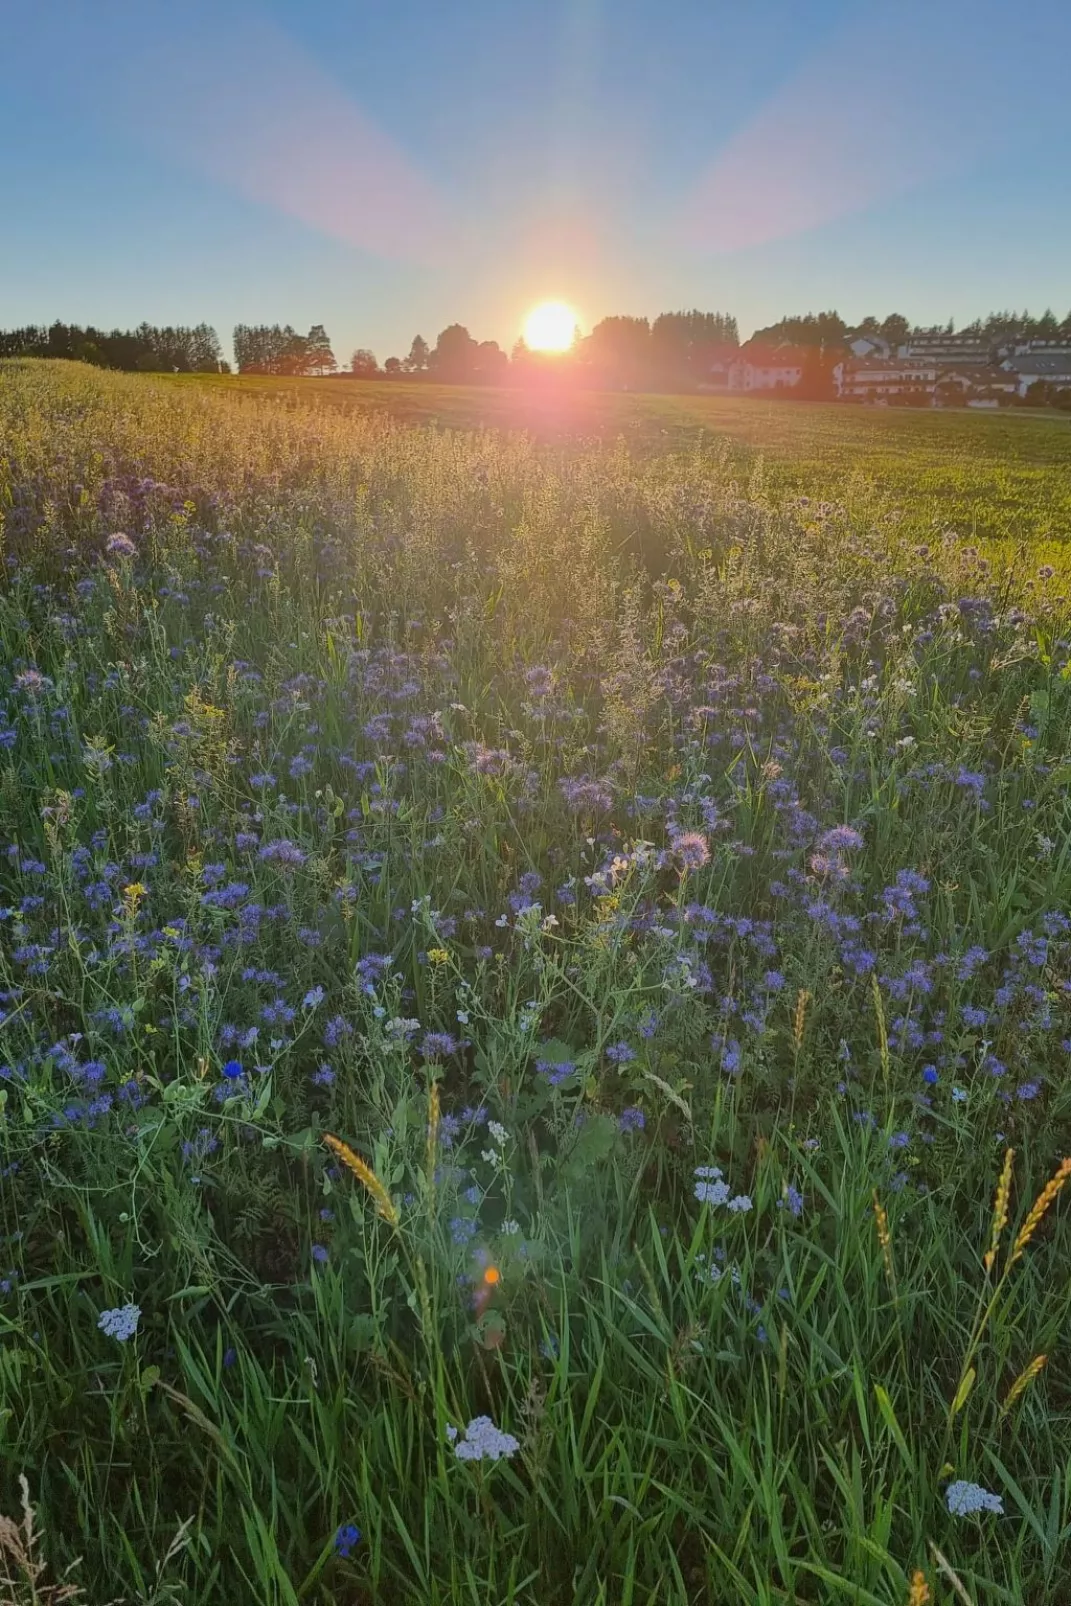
966 1384
885 1406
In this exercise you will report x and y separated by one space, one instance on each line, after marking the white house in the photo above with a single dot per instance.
936 346
874 379
766 368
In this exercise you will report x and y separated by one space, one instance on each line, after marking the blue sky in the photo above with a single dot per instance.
388 169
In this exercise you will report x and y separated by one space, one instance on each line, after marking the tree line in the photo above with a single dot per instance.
675 350
146 349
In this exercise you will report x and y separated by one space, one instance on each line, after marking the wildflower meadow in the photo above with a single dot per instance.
535 1024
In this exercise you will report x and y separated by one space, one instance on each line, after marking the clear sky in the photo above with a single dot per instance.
391 166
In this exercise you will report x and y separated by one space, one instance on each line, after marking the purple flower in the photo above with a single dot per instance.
620 1053
692 849
232 1069
731 1057
555 1071
438 1045
632 1120
120 546
319 1254
840 839
282 852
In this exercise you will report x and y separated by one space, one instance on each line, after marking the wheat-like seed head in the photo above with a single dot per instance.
803 998
366 1176
1023 1382
919 1594
1039 1207
884 1238
433 1128
1000 1210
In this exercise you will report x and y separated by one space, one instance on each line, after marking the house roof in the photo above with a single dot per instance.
1057 365
772 356
885 367
978 376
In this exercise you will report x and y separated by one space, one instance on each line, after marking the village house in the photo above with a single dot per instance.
869 346
884 380
766 368
1051 368
934 345
975 387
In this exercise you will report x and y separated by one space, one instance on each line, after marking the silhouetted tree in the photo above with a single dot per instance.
809 329
363 364
684 345
393 368
454 358
618 352
320 358
491 365
895 329
417 360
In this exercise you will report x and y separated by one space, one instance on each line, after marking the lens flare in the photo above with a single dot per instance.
551 326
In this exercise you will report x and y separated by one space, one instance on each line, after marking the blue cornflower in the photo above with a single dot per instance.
319 1254
347 1539
232 1070
314 996
966 1498
121 1323
929 1074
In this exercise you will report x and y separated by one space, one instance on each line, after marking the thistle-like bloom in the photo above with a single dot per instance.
692 849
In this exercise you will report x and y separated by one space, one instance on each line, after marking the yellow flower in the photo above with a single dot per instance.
438 956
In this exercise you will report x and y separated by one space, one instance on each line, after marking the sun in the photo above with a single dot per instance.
550 327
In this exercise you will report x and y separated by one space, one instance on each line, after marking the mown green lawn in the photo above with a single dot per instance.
1005 475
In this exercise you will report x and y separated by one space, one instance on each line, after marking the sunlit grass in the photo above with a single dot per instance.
529 931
